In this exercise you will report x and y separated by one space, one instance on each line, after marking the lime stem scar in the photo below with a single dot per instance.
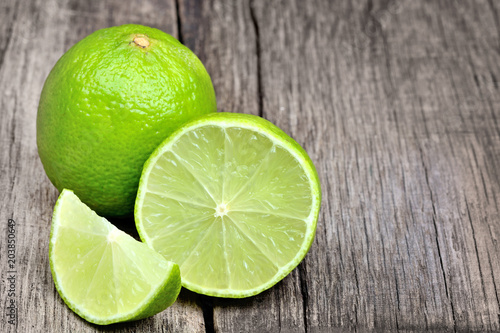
141 41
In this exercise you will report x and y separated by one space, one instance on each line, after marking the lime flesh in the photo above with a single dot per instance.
233 200
103 274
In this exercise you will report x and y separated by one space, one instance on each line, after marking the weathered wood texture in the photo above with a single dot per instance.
397 103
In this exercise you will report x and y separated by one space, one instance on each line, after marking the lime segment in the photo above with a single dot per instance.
233 200
102 273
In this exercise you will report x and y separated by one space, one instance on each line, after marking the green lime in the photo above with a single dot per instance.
103 274
108 103
233 200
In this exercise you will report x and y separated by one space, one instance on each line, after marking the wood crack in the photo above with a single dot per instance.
355 269
13 147
397 298
207 307
259 58
476 249
304 292
426 174
180 36
494 283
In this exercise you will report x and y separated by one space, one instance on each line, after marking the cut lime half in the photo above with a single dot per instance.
103 274
233 200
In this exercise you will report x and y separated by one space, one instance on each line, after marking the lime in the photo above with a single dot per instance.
233 200
108 103
103 274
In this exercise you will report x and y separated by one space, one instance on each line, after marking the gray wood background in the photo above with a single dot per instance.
398 105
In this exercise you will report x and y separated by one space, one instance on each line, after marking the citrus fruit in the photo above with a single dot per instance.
233 200
108 103
103 274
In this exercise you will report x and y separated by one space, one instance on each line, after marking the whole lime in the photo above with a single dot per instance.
107 104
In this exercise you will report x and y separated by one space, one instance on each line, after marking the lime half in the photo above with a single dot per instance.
103 274
233 200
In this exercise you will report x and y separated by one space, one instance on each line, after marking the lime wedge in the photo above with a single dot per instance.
103 274
233 200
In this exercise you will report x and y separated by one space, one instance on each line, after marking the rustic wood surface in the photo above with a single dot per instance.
397 102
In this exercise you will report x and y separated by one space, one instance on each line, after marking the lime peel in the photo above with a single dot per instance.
109 101
81 242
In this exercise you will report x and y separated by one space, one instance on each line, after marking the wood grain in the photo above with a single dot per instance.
26 193
396 102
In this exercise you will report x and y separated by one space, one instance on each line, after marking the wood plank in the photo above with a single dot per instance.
34 35
221 34
395 101
407 238
224 35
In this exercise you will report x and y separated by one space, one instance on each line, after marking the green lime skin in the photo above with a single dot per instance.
108 103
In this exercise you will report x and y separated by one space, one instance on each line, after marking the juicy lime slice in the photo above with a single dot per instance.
103 274
233 200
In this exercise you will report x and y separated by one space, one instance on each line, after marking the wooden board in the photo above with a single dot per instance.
398 105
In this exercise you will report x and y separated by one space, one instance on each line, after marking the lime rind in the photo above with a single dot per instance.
279 138
159 297
120 100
